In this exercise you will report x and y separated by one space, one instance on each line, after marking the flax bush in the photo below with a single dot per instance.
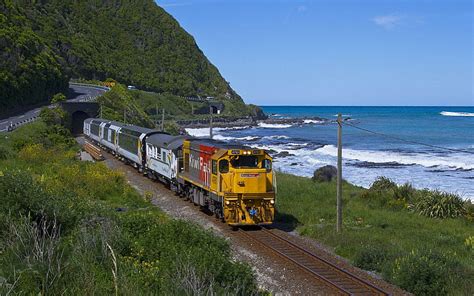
437 204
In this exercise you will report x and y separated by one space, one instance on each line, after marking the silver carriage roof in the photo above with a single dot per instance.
165 140
98 120
132 128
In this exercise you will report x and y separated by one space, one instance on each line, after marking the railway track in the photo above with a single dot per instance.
337 279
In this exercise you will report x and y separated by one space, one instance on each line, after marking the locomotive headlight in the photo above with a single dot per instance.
272 201
227 202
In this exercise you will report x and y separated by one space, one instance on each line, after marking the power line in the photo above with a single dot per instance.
407 141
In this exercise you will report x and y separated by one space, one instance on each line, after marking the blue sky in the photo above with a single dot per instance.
337 52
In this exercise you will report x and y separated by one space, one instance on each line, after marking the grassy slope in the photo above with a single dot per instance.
369 227
41 181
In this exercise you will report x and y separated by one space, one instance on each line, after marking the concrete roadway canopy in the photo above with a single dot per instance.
78 112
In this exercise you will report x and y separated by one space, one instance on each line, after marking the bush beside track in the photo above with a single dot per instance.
75 227
388 229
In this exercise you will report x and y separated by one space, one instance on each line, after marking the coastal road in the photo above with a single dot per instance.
76 93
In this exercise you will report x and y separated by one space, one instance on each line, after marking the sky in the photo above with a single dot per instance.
337 52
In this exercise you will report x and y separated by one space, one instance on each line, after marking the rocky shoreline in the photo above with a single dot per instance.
249 121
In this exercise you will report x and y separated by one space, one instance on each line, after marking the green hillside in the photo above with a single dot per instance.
30 71
133 41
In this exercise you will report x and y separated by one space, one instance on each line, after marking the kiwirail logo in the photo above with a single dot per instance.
195 163
202 166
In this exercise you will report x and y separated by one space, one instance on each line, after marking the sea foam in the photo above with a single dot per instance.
457 114
456 161
270 125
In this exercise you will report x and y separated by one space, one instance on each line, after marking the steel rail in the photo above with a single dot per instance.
355 280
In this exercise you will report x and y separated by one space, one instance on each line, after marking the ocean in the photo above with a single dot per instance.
300 149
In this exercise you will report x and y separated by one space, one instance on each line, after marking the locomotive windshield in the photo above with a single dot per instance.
244 161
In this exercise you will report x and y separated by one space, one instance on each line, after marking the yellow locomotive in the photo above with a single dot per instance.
234 182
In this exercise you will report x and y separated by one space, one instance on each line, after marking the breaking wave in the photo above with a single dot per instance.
270 125
204 131
457 114
227 138
426 160
308 121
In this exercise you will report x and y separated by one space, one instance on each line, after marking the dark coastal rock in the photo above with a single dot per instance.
325 174
384 165
282 154
257 113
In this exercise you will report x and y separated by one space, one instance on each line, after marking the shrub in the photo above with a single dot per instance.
437 204
422 273
469 207
372 257
383 183
404 192
325 174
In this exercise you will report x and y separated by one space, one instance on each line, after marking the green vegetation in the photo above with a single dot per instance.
118 104
44 43
389 229
180 108
30 71
72 227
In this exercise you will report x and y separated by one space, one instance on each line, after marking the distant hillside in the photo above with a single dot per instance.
133 41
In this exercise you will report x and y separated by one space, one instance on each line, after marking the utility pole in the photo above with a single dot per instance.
163 120
124 115
339 174
210 122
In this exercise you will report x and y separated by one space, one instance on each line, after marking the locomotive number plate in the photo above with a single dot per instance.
249 175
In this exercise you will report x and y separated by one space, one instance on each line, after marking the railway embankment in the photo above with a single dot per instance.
75 227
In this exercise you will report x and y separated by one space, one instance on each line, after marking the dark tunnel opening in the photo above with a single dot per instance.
78 118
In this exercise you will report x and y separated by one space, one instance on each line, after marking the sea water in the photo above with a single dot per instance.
300 149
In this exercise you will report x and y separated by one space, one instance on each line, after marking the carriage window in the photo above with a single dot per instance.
242 161
163 157
267 164
223 166
214 167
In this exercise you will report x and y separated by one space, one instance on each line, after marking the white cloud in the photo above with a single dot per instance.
388 21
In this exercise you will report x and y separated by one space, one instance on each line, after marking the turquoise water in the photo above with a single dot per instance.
300 149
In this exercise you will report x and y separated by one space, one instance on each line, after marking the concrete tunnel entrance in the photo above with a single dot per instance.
78 112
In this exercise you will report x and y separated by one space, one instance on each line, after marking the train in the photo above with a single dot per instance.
236 183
